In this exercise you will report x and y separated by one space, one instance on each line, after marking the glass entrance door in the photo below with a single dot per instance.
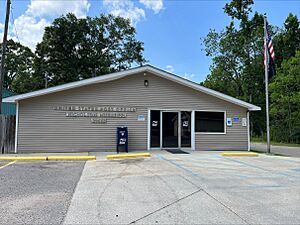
186 127
170 129
155 129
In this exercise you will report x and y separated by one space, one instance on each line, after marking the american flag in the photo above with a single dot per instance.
269 58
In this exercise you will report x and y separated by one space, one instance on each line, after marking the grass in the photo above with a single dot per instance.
261 140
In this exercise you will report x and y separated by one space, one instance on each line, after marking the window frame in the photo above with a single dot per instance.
225 124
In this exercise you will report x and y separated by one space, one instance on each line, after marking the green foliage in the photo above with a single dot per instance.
73 49
237 60
18 66
237 56
285 98
238 9
287 41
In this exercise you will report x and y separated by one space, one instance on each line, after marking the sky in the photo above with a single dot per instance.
170 29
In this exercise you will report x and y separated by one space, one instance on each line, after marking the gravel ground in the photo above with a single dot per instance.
37 192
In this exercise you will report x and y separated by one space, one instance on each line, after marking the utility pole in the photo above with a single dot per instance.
267 85
4 44
46 80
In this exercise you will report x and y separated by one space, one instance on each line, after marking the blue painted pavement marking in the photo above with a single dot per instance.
247 187
260 168
296 170
179 166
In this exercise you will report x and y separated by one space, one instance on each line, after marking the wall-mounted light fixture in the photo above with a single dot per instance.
146 83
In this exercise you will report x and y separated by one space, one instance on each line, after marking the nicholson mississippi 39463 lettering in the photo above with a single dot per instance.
96 114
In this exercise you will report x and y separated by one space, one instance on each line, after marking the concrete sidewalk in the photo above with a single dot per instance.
282 150
197 188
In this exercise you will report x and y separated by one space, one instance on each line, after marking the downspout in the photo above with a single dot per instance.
17 127
248 129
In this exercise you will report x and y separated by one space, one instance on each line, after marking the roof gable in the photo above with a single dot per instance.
142 69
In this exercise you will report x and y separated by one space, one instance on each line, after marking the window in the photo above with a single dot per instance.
210 122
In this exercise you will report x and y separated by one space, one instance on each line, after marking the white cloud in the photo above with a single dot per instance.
170 68
39 14
188 76
30 30
52 8
1 26
126 9
155 5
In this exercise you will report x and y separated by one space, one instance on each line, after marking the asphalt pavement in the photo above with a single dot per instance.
282 150
37 192
196 188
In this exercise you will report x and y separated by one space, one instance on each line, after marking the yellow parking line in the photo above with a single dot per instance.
239 154
134 155
71 158
24 158
1 167
45 158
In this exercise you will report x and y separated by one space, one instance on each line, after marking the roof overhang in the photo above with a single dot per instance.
142 69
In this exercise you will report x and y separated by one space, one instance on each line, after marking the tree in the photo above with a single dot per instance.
285 102
237 56
237 68
287 41
18 66
239 9
73 49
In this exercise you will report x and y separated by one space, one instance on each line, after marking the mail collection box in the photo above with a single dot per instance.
122 139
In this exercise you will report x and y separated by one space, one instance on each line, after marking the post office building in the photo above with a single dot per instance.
160 110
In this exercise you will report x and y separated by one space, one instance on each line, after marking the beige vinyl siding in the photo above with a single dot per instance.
236 137
41 128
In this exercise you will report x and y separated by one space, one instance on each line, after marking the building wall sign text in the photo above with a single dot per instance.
95 108
97 114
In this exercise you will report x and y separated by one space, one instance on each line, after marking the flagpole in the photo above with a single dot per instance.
267 84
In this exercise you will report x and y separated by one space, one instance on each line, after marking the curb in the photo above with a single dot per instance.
48 158
239 154
122 156
70 158
26 158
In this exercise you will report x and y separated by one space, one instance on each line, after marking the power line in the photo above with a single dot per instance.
13 22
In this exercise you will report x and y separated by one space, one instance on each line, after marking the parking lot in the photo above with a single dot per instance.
196 188
37 192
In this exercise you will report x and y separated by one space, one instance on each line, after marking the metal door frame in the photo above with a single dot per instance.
179 129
